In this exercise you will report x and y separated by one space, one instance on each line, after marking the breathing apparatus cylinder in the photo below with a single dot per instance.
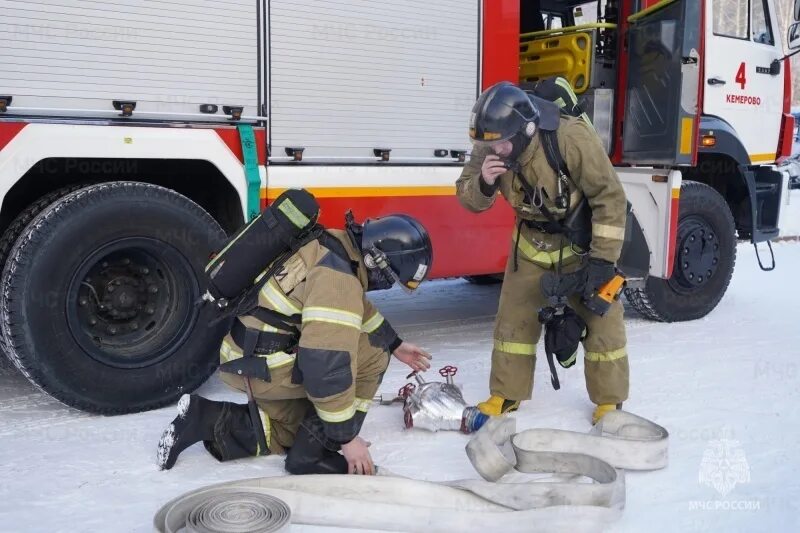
255 246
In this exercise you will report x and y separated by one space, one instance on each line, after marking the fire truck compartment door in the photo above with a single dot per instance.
349 77
661 115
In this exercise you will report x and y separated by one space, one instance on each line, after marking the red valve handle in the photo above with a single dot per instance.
406 390
448 370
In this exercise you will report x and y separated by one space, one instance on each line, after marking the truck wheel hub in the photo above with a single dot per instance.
125 302
697 255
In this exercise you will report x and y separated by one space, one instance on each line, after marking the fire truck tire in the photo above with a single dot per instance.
23 219
100 298
705 255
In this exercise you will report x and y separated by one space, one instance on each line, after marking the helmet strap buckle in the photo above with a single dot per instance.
375 258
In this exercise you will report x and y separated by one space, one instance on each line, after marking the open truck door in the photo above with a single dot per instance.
663 84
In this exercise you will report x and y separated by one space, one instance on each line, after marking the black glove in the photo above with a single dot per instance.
598 273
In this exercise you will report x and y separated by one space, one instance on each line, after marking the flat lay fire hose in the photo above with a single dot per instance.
507 499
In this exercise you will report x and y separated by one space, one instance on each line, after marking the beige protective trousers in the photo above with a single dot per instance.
517 332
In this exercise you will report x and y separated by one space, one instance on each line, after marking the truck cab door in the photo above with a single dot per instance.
664 54
741 85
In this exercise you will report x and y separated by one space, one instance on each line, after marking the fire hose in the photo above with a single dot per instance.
502 501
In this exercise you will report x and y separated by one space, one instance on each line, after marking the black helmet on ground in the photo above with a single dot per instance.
504 112
396 248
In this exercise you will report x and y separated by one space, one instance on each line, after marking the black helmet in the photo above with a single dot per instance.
504 110
396 248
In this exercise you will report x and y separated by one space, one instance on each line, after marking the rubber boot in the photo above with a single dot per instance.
194 423
497 405
225 429
310 455
601 410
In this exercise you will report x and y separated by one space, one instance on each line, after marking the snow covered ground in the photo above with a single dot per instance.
789 222
727 386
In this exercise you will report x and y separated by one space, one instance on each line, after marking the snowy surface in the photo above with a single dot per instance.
733 377
789 223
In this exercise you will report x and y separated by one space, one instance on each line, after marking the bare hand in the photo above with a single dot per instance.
359 461
492 168
414 356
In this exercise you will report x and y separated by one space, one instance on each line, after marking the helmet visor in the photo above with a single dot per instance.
486 138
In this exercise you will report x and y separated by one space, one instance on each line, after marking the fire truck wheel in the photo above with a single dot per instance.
23 219
705 254
100 298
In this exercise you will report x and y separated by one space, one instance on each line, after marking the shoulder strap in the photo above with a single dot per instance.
553 153
335 246
248 300
556 161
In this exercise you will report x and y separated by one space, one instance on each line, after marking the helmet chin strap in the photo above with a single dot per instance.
519 142
375 258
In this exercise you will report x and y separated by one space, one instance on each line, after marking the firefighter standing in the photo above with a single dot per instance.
505 128
336 351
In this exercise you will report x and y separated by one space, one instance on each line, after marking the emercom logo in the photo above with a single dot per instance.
723 467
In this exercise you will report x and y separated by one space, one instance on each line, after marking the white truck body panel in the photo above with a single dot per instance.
749 100
39 142
67 58
349 76
652 204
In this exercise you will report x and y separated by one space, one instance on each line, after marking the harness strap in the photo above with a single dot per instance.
267 342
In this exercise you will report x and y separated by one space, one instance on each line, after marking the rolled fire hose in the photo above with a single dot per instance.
508 504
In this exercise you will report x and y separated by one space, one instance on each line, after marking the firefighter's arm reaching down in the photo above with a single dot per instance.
382 334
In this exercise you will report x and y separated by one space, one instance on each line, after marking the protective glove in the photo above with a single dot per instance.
598 273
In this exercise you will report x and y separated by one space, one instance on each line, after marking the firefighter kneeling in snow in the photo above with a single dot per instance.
336 348
518 141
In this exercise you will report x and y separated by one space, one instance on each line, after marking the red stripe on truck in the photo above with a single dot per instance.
9 130
463 243
230 136
500 42
786 138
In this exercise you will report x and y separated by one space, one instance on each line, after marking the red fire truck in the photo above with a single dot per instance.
135 135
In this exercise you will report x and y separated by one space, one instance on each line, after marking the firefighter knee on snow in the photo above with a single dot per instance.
305 344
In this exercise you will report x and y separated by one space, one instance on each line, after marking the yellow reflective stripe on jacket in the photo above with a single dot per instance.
295 215
516 348
362 404
373 323
227 352
267 430
337 416
545 259
613 355
605 231
280 302
333 316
